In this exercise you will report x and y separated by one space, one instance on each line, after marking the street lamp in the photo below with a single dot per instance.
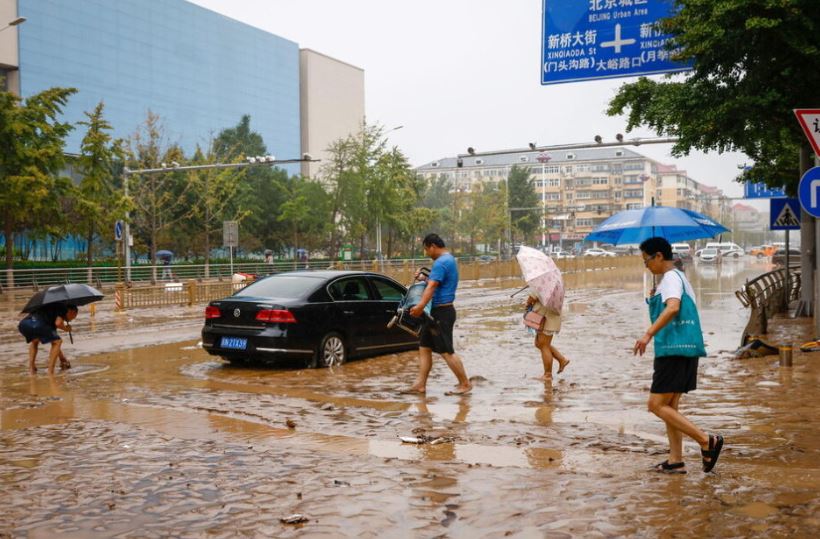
16 22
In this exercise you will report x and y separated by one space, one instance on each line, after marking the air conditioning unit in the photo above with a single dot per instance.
523 158
570 156
479 161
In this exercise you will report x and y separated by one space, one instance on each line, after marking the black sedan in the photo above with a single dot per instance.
321 318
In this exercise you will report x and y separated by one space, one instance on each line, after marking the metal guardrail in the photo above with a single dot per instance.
34 279
766 295
193 291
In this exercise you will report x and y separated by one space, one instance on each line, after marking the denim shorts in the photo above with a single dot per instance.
34 328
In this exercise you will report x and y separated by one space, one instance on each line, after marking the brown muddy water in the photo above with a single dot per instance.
148 436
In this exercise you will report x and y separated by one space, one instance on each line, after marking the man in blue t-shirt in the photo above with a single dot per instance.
438 336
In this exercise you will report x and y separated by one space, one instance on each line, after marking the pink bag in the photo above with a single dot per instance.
533 320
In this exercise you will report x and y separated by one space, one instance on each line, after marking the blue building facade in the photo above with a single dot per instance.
198 70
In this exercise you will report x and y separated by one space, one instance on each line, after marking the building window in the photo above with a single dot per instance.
554 182
600 181
570 156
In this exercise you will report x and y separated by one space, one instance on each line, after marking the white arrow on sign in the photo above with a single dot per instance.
810 122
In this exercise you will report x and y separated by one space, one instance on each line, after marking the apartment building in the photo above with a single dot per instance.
581 188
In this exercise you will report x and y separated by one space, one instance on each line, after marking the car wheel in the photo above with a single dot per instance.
759 255
737 255
332 351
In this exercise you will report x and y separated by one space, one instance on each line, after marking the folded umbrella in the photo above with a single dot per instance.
543 277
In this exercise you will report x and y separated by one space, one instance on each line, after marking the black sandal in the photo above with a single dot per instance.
665 467
715 445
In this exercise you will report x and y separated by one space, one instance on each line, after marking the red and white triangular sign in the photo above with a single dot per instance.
810 122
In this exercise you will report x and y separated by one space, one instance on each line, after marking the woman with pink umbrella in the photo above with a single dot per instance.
544 304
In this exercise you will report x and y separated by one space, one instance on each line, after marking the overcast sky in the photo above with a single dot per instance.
459 73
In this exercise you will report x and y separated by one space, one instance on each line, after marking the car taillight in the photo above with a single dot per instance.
212 312
276 316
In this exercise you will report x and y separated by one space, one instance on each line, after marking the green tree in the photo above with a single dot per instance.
524 203
263 190
157 197
214 193
31 157
98 204
753 62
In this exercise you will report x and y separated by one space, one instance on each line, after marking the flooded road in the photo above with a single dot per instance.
164 440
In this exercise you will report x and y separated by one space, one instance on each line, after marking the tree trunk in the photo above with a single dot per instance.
8 231
207 240
361 246
89 254
389 242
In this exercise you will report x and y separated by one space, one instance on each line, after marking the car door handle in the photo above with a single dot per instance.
348 312
390 311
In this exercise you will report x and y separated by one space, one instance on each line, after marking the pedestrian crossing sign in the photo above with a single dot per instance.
784 214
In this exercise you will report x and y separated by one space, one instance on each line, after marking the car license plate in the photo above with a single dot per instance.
234 343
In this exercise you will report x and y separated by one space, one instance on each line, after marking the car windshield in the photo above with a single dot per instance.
709 251
282 286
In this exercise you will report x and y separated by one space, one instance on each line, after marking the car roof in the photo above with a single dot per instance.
323 274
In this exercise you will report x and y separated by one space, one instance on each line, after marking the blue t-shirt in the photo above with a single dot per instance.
445 272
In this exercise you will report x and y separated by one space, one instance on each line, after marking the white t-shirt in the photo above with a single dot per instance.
672 285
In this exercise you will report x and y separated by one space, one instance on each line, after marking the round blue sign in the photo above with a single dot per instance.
809 191
118 230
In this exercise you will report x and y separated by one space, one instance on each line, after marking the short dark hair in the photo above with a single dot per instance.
656 245
433 239
70 307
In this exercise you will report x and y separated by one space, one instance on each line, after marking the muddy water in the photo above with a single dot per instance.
159 440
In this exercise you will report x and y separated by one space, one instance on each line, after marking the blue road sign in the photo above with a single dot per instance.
759 190
118 231
784 214
604 39
809 191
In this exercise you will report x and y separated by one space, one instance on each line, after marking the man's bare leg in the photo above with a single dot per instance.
32 356
455 364
425 365
53 354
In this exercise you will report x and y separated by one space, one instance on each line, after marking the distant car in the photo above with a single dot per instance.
562 254
486 259
779 257
762 251
625 250
321 318
709 254
682 249
733 252
597 251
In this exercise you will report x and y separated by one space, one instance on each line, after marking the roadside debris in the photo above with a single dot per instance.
755 348
290 423
424 439
296 518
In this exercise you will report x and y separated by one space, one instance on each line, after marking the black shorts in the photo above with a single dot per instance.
439 335
34 328
675 374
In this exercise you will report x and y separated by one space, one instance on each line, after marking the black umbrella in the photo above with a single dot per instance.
165 253
67 294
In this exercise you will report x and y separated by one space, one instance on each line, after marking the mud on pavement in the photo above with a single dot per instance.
148 436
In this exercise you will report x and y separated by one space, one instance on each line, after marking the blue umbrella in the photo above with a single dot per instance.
674 224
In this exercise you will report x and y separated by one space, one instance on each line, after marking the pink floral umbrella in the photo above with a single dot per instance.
543 277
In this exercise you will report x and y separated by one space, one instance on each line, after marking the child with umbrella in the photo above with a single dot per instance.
48 311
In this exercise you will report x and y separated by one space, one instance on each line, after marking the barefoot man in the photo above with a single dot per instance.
438 337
